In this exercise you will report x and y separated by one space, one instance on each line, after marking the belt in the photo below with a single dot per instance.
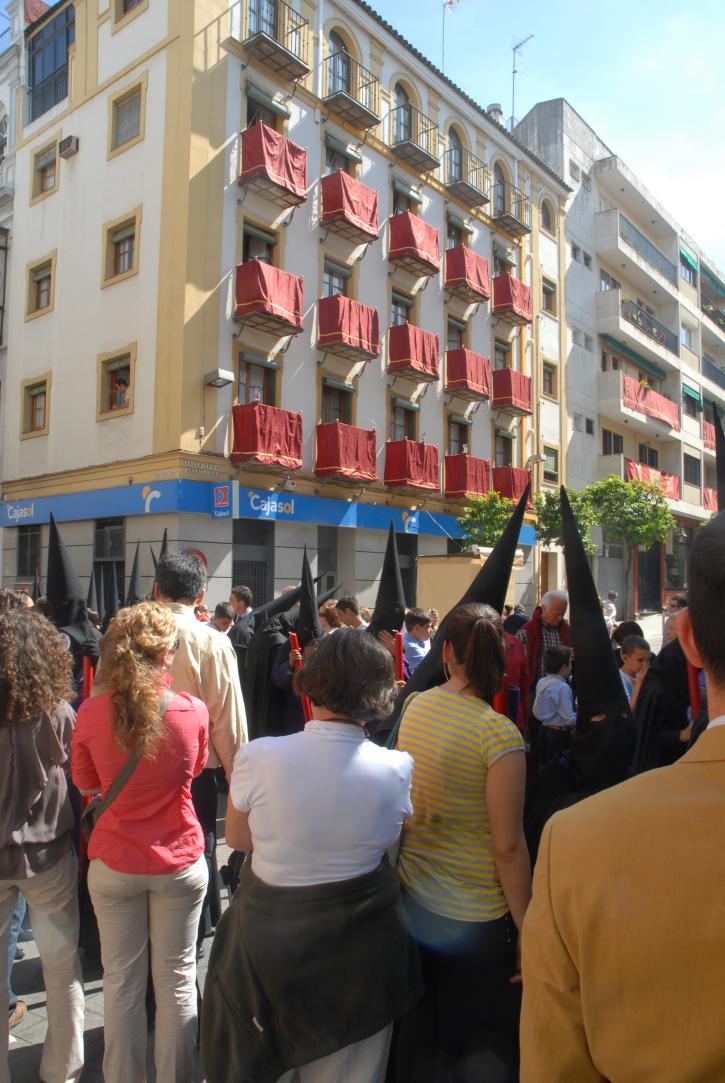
557 729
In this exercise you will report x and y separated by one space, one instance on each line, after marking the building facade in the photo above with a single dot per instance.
646 347
276 281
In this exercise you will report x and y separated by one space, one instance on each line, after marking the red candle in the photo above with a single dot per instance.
304 700
399 657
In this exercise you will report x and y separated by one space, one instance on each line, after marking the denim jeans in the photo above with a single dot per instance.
15 922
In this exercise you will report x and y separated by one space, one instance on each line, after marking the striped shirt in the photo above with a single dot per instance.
446 860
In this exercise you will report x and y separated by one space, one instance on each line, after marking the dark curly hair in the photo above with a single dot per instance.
350 674
35 666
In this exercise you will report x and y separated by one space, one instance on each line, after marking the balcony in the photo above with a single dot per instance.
345 452
650 252
349 208
274 35
622 398
351 92
347 328
511 210
713 313
668 483
708 435
414 245
511 392
713 371
466 177
266 436
639 336
510 481
648 325
273 166
468 375
466 275
617 239
413 353
414 139
411 465
466 476
511 300
709 499
268 299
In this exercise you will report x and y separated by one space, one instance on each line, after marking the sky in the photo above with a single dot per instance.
648 76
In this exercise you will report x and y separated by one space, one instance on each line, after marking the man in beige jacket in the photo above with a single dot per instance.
624 940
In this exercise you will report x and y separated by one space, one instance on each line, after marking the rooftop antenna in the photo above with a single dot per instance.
448 5
514 50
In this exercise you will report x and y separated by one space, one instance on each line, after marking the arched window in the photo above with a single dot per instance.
263 18
455 156
3 136
547 216
499 190
403 117
338 71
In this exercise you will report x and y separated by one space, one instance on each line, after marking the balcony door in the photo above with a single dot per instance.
338 70
403 118
499 190
455 156
263 17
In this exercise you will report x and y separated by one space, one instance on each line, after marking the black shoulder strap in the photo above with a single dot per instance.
390 743
129 766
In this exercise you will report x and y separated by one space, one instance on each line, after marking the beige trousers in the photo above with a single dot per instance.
363 1062
137 914
52 898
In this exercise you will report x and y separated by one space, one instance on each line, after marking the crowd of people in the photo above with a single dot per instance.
391 779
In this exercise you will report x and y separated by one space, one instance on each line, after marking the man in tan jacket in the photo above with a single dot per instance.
624 940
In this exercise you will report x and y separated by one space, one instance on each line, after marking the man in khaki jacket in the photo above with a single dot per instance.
624 940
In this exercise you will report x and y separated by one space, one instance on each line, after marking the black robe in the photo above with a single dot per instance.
661 710
263 701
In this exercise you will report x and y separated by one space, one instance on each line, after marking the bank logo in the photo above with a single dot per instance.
221 504
17 512
271 505
148 495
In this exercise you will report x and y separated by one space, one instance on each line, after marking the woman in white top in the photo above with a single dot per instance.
314 955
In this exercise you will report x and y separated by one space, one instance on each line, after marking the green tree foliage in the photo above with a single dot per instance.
483 519
547 504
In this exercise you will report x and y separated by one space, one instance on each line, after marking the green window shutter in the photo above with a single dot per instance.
648 366
259 234
406 404
404 189
339 385
262 98
342 148
459 223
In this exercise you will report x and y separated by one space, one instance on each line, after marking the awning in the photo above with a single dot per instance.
458 325
506 434
691 393
689 260
459 419
339 385
405 403
404 189
458 222
338 268
259 234
258 359
648 366
262 98
713 281
339 147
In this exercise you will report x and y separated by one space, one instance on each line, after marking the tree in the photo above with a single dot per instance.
483 519
547 505
633 512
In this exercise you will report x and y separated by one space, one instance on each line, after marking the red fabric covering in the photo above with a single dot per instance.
468 371
510 481
511 388
467 268
266 153
710 499
708 435
267 435
345 197
342 320
268 291
33 9
411 464
639 398
411 236
413 351
466 475
510 295
669 483
345 451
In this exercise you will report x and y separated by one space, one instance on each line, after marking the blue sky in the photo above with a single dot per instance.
648 76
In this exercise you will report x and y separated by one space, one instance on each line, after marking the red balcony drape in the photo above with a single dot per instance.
467 268
512 296
510 481
411 236
466 476
669 483
269 291
708 435
267 435
345 451
710 499
511 388
413 351
639 398
468 371
266 153
345 197
410 464
342 320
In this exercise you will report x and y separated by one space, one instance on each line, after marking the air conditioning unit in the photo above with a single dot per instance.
68 146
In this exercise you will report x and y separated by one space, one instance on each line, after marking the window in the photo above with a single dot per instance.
402 202
587 259
504 450
402 421
28 551
454 234
687 336
549 380
263 20
334 279
455 156
612 443
501 354
336 158
551 464
403 115
689 406
576 253
3 136
35 406
547 216
688 271
607 281
691 469
589 422
574 171
649 456
115 382
258 113
589 343
40 289
457 437
256 382
502 264
257 244
548 297
336 402
126 7
109 549
45 172
127 119
48 62
338 66
455 334
577 336
499 191
121 248
400 309
587 182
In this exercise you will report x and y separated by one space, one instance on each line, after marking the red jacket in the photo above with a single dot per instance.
517 673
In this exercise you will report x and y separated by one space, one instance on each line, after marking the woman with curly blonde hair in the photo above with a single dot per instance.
36 820
147 875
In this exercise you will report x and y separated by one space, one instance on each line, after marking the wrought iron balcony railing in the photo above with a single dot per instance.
466 176
650 326
350 90
634 237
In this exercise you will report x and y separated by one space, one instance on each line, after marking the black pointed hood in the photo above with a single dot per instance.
489 588
719 460
308 621
92 596
114 603
598 684
164 544
154 558
390 603
280 604
134 594
36 589
322 598
66 598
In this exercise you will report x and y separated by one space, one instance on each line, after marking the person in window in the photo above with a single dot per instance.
312 962
120 397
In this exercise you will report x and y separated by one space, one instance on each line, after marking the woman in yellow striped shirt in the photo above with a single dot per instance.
464 864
